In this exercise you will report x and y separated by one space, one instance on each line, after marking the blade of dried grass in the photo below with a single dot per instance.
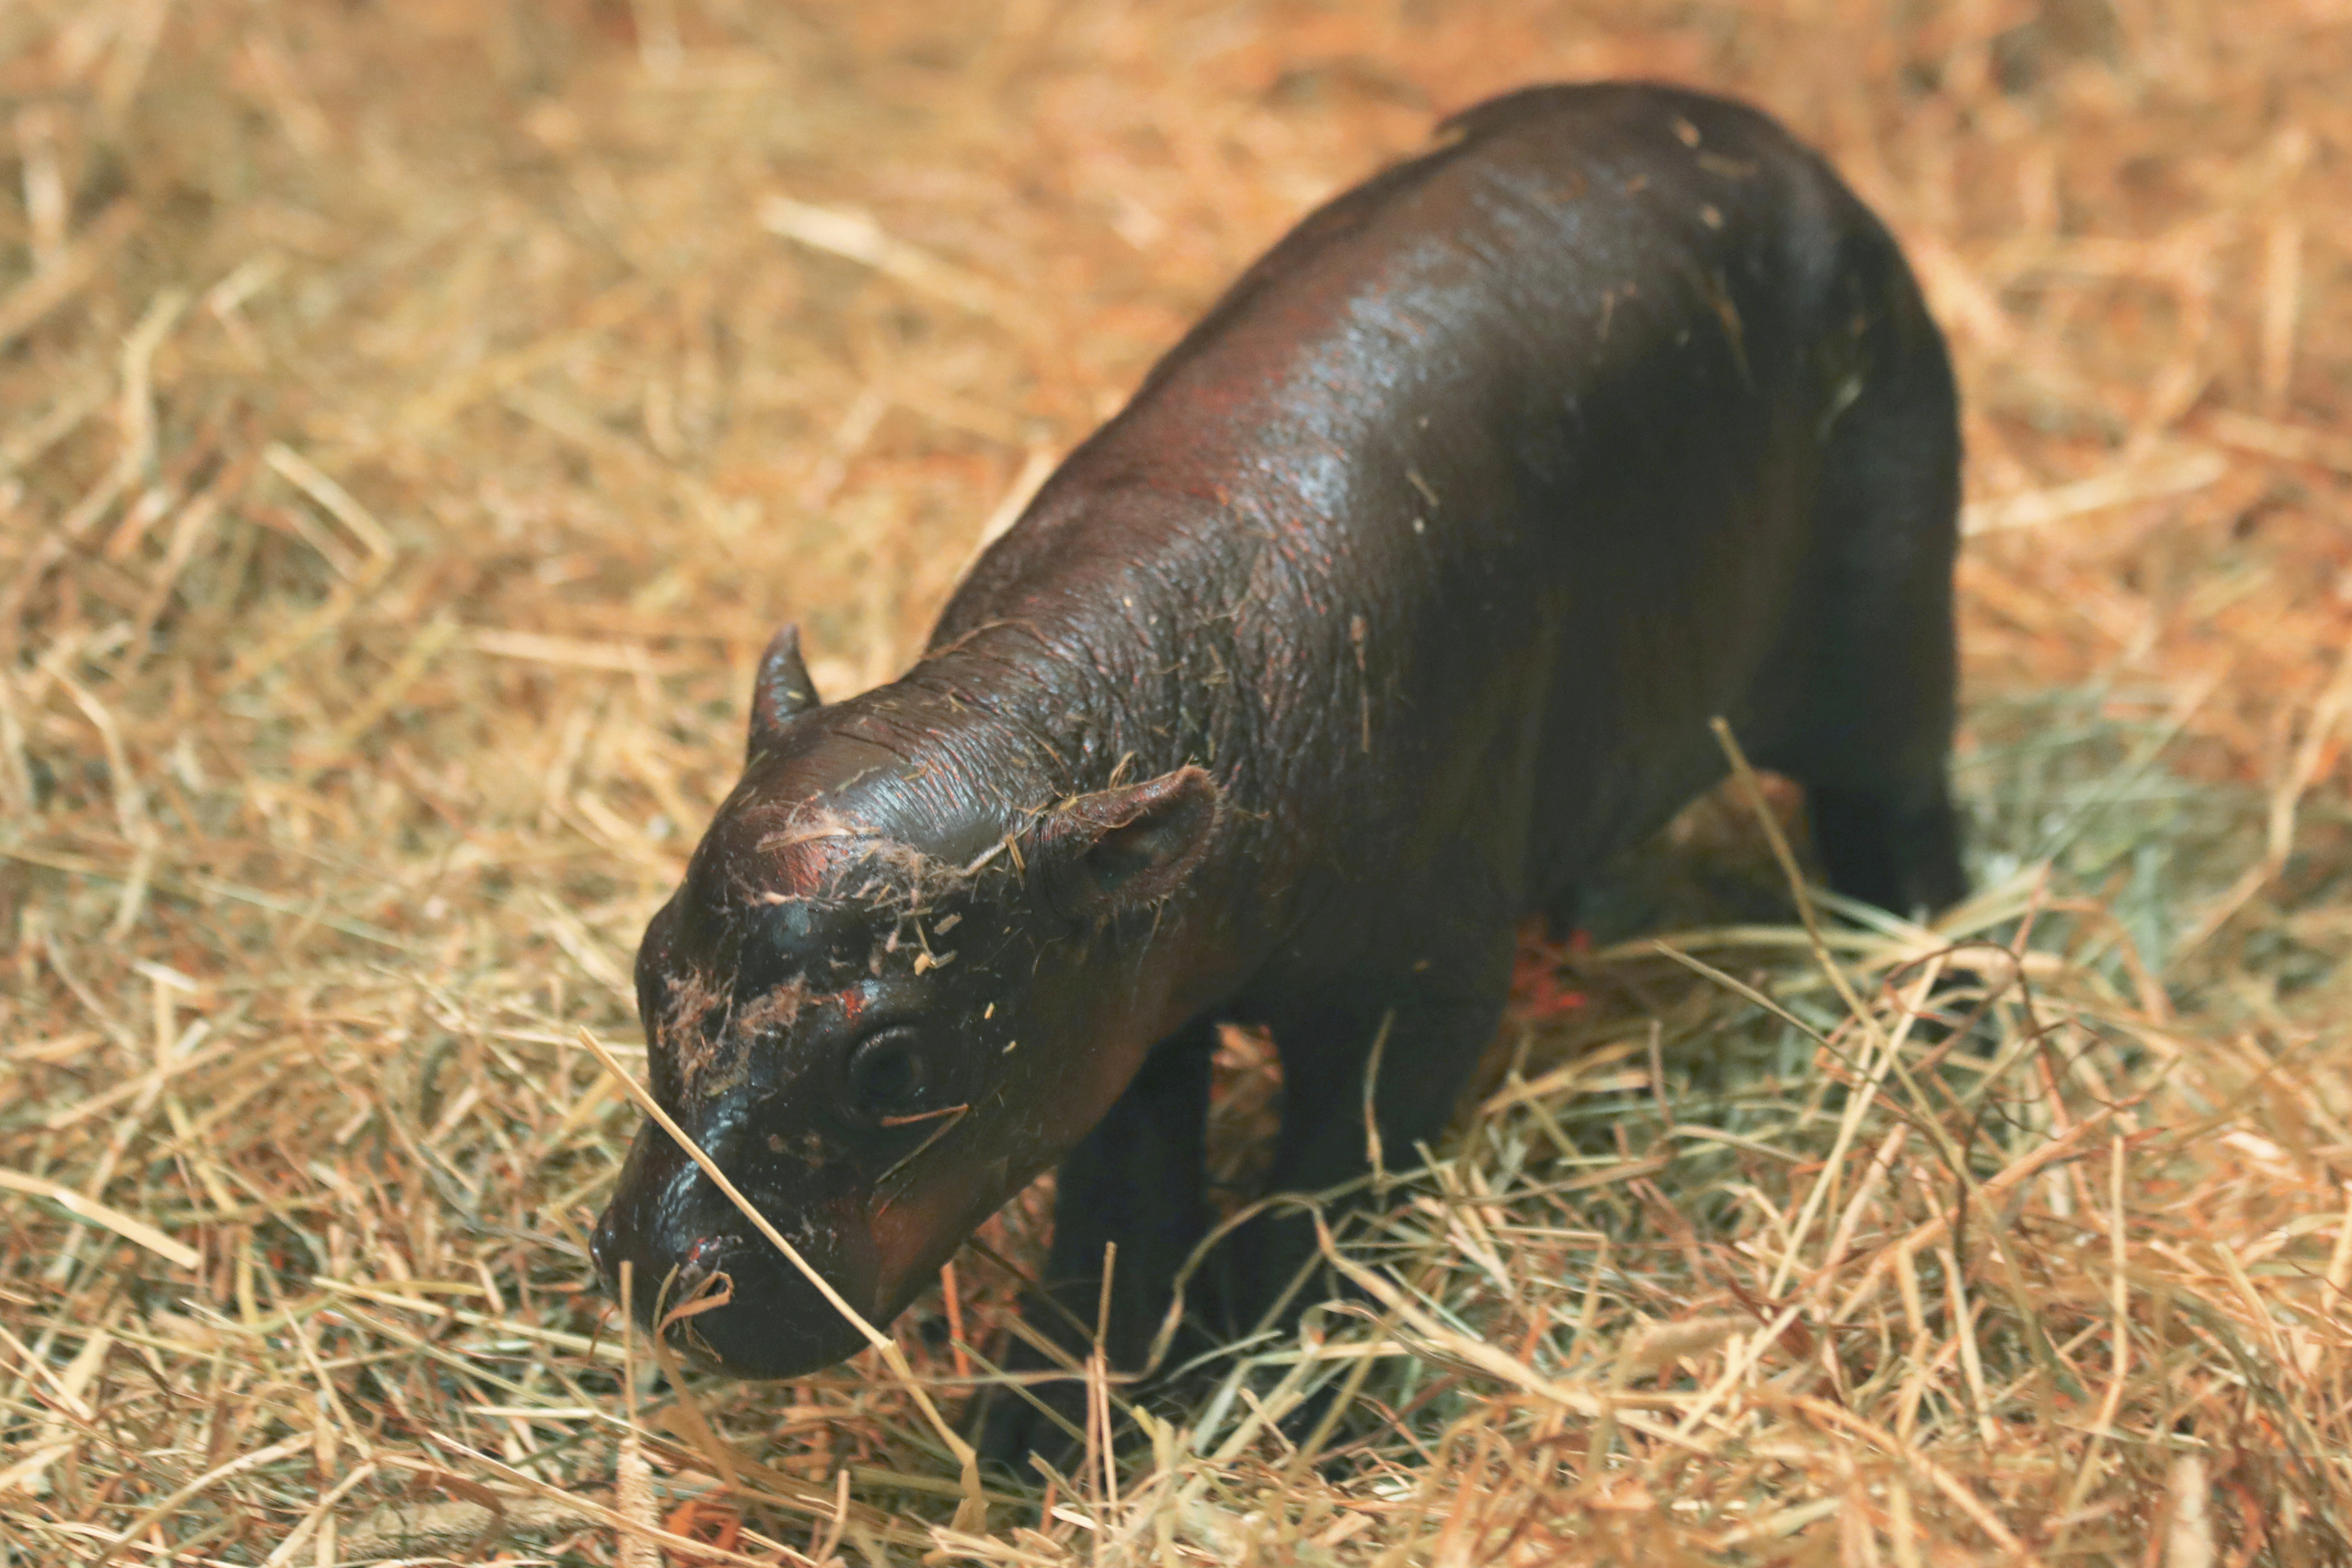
1932 1230
1942 1480
172 1501
1871 1073
90 1211
54 285
2119 1360
2317 746
319 1513
649 1538
2290 443
332 498
857 237
2151 480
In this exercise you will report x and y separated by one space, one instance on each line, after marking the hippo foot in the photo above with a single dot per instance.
1014 1428
1012 1432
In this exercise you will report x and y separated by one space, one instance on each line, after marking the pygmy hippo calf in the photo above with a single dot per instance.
1399 597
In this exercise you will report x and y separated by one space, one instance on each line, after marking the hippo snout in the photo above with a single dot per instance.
673 1225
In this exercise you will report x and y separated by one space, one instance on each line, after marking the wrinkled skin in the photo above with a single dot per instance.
1398 599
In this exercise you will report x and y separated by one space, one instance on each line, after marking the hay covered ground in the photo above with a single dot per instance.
414 417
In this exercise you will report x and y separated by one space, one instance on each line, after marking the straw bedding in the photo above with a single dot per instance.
415 417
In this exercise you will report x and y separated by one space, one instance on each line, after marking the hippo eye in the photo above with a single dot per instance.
887 1074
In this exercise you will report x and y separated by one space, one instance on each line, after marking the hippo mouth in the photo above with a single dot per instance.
741 1309
719 1292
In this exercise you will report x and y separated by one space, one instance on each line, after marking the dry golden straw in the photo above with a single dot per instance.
416 418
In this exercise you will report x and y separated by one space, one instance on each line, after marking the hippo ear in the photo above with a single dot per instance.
782 691
1116 850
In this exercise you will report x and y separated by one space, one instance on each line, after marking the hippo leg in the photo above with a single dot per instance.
1873 735
1897 848
1136 1181
1432 1028
1874 753
1563 911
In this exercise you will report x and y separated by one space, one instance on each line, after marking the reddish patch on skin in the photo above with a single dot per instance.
1536 990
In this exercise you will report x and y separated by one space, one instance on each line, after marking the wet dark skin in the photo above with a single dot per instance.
1398 599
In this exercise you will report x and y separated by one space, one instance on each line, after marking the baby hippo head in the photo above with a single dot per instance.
887 995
